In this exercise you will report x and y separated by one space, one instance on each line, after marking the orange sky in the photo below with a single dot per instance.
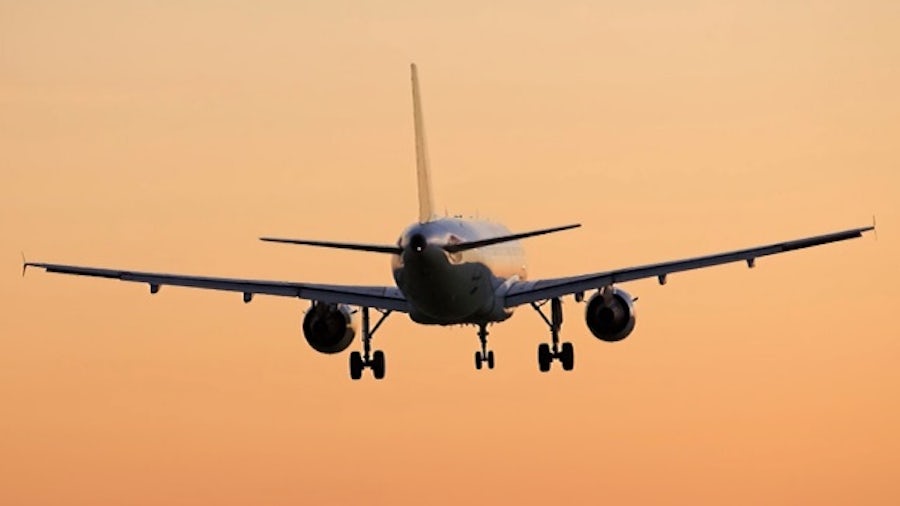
169 135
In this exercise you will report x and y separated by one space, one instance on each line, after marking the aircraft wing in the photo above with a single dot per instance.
378 297
533 291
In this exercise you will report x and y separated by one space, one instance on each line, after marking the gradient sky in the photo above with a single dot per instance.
169 135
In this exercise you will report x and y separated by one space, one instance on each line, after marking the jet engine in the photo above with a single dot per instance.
329 328
610 318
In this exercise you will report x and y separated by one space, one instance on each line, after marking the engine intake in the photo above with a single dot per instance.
329 328
613 319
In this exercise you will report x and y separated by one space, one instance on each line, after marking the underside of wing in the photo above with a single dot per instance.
533 291
379 297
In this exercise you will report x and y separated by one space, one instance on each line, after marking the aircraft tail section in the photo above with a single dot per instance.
426 197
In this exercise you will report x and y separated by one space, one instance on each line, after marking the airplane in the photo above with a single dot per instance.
452 271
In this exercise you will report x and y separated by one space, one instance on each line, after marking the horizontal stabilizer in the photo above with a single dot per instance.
464 246
374 248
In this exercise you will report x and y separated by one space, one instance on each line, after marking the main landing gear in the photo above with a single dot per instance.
484 355
549 352
375 360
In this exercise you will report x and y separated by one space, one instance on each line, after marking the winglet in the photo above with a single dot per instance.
874 228
24 263
426 197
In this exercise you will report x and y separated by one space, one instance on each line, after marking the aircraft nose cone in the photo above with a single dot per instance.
417 243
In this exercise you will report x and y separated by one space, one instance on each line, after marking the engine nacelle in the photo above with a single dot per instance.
329 328
610 320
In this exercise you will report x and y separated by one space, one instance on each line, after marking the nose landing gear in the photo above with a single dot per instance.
375 360
484 355
547 353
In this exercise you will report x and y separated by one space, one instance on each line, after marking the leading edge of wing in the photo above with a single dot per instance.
379 297
532 291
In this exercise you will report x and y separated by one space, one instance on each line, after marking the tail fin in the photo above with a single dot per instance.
426 197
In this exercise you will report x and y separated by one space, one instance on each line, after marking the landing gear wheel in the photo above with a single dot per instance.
378 364
544 357
356 365
478 360
490 359
567 356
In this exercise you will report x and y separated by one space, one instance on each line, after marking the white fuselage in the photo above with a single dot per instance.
451 288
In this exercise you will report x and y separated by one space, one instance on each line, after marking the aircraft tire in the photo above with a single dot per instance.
567 357
490 359
356 365
478 360
378 364
544 357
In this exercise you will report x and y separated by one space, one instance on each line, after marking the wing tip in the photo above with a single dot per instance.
26 264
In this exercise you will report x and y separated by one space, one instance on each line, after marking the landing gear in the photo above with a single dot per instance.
375 361
484 355
481 358
549 352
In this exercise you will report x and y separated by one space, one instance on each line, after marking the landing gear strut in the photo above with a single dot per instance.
375 360
549 352
484 355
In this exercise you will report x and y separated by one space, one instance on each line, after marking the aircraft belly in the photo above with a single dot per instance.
447 295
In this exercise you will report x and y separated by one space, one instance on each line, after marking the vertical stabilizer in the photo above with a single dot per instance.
426 198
